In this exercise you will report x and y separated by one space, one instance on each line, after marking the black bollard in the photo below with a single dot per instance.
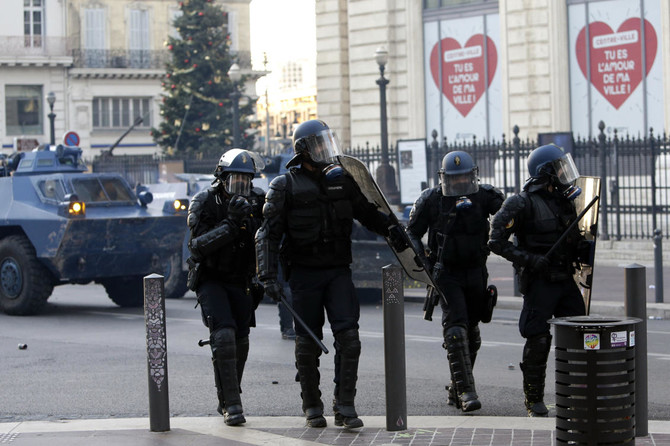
393 307
154 318
636 306
658 265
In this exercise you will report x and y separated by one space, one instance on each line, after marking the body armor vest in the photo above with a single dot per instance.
466 232
319 221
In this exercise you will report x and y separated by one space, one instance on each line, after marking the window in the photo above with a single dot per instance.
94 37
52 189
139 44
91 190
33 23
23 109
120 112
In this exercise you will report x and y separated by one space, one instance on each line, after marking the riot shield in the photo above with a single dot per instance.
588 227
408 258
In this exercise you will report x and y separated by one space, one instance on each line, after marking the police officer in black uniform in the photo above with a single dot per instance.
309 211
455 215
223 220
538 216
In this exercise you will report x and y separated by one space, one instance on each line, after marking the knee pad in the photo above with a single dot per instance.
222 342
474 339
347 343
537 348
454 337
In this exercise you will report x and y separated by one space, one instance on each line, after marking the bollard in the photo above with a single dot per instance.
636 306
154 318
393 308
658 265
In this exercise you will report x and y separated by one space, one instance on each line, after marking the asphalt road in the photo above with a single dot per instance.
86 358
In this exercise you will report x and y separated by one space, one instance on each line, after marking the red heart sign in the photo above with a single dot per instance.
616 58
465 73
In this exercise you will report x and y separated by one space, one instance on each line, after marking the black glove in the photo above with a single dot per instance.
538 263
585 251
397 238
238 209
274 290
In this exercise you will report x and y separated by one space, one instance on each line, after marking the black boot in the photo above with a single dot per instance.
461 368
347 352
307 362
225 368
474 343
534 366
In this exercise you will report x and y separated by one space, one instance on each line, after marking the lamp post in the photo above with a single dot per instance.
51 100
235 76
385 172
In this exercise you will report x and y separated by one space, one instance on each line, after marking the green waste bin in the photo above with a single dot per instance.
595 380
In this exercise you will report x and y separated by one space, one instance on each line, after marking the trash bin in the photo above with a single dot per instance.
595 380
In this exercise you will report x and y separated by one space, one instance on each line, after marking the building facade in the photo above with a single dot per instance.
476 68
103 60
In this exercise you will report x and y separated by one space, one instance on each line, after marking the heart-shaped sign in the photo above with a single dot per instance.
464 69
616 57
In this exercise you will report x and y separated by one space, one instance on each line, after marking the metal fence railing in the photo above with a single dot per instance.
635 173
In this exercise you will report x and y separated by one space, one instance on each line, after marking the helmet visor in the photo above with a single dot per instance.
459 184
565 169
321 147
238 184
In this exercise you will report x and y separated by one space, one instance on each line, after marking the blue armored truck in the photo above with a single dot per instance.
60 225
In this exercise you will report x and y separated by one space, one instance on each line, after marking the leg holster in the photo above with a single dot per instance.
458 353
347 352
534 366
307 362
225 369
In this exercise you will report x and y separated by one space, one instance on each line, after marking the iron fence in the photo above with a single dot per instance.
635 173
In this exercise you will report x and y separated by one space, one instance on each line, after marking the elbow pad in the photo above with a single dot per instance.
213 240
267 254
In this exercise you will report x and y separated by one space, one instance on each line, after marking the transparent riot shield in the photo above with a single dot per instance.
588 227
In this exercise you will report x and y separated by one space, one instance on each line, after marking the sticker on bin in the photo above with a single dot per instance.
632 339
618 339
591 341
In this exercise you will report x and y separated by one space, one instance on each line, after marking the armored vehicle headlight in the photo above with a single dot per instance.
77 208
175 206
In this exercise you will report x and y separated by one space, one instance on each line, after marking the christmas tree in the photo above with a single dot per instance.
197 108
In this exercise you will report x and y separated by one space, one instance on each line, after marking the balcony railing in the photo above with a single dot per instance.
146 59
36 46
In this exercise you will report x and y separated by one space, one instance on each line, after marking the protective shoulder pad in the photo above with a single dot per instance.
274 199
196 206
493 190
427 196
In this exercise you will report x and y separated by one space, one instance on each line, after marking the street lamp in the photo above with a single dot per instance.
235 76
51 100
385 172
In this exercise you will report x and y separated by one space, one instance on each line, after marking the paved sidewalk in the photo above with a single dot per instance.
457 430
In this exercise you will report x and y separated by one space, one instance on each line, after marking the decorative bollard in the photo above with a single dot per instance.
393 306
595 380
154 318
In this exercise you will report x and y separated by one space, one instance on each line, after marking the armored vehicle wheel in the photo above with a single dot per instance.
175 278
25 284
125 291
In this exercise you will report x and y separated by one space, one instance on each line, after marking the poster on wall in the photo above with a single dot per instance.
463 87
413 169
616 67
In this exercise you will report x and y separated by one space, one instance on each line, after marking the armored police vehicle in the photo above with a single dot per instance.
60 225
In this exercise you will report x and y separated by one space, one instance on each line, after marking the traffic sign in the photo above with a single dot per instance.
71 139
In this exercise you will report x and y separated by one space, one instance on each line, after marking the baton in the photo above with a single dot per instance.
572 225
302 323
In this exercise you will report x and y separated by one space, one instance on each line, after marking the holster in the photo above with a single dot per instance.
194 272
491 301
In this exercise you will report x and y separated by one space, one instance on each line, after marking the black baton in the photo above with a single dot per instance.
302 323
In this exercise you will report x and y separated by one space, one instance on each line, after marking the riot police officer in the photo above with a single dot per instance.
309 211
455 215
538 216
223 220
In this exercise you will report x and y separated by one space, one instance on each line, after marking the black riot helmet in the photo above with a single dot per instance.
313 140
459 175
236 169
549 163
